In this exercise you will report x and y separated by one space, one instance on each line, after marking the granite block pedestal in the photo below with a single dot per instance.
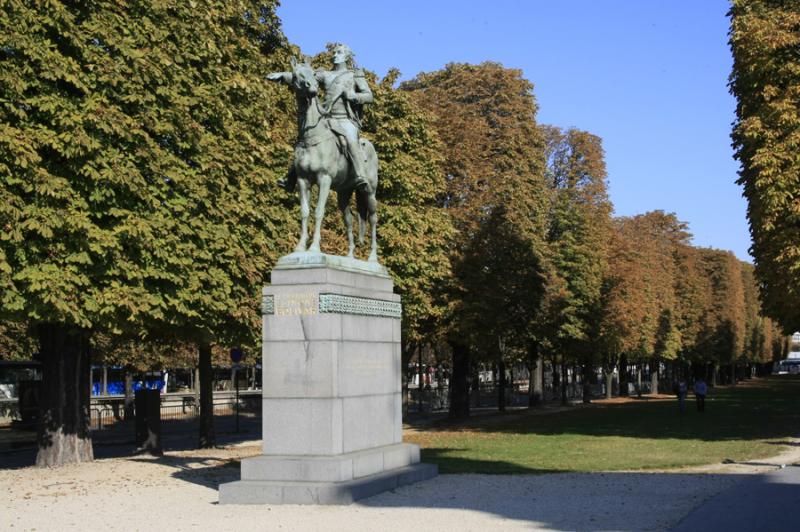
332 406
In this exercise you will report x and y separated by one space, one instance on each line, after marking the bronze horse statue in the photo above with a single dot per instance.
319 159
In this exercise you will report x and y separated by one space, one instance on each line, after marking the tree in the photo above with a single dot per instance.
722 335
764 39
754 325
139 149
497 199
693 293
625 314
577 238
659 233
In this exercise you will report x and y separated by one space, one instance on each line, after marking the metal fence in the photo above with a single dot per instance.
105 411
437 398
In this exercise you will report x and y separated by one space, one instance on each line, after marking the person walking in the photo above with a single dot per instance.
700 390
682 395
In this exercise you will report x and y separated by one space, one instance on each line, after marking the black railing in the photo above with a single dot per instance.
106 411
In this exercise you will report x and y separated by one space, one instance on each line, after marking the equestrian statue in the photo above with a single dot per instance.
330 152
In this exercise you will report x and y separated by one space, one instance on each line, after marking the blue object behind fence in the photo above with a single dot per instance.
118 387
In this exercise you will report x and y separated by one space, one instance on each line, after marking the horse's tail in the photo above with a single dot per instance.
361 228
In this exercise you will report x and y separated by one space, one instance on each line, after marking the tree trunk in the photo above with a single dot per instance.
196 390
65 396
623 376
476 384
609 382
556 377
586 372
459 383
421 387
563 380
501 384
639 368
407 351
654 377
534 376
207 436
128 394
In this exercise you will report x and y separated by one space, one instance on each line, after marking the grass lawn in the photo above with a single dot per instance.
752 420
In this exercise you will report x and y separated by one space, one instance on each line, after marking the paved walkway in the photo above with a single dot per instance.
766 502
186 478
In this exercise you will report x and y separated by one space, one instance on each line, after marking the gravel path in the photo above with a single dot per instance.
178 492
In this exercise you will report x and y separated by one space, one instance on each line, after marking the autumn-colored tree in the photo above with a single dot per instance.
765 39
485 117
722 334
660 233
138 153
638 311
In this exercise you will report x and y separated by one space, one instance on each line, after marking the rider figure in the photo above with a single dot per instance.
346 91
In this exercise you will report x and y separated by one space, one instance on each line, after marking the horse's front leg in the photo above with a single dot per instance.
303 187
347 216
324 182
372 208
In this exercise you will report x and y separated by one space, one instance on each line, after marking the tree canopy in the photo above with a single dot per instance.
765 40
137 153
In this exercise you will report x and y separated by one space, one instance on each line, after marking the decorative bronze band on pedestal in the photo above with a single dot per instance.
340 304
360 306
267 305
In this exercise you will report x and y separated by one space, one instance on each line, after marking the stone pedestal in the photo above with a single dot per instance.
332 414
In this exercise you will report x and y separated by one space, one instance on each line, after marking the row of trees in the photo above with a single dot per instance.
541 269
140 150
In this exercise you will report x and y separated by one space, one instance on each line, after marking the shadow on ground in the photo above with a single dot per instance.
117 441
209 471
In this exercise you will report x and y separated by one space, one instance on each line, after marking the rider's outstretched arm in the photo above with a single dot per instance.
280 77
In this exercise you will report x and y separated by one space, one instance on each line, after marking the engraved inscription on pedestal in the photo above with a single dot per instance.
302 304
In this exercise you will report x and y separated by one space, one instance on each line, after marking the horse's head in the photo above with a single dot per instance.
304 80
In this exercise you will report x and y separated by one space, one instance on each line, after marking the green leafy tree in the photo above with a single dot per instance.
577 238
138 153
764 39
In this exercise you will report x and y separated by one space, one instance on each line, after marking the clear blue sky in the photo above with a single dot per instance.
648 76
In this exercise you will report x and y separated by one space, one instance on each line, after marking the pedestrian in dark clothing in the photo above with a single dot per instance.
700 390
681 389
